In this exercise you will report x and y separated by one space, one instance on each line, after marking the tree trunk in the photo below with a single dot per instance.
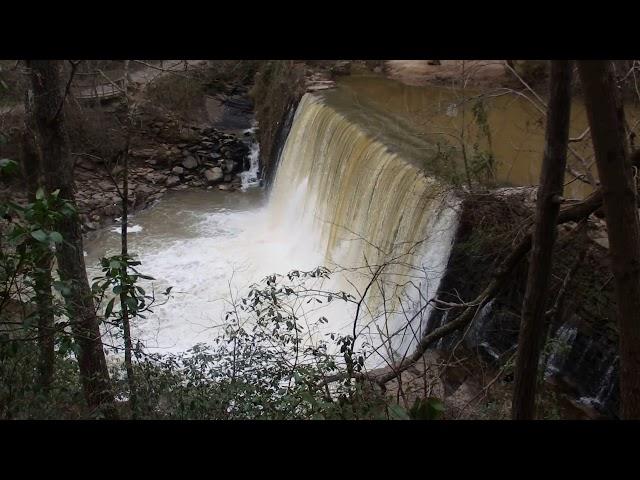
133 397
606 119
42 276
57 168
532 327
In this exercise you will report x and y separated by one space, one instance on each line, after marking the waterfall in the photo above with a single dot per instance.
369 212
251 178
341 198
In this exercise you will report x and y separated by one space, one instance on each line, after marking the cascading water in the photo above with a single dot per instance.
371 213
251 177
341 198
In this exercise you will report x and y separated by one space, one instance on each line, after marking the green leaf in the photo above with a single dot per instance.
8 166
56 237
132 304
39 235
396 412
109 309
40 194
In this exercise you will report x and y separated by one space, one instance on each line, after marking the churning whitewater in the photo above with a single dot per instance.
340 199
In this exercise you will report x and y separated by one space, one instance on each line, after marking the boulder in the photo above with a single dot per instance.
213 175
172 181
156 178
190 163
229 165
177 170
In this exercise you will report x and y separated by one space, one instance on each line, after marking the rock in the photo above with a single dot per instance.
172 181
105 186
177 170
189 163
143 152
110 210
156 178
229 165
213 175
228 178
225 187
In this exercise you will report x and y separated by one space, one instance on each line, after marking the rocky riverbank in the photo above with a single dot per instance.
211 158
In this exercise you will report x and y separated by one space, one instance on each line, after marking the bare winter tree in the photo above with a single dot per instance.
57 168
532 329
618 179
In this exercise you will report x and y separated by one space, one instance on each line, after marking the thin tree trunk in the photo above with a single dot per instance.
544 236
124 252
57 168
42 276
617 177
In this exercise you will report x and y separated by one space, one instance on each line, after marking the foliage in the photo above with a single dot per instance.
28 234
263 365
123 285
21 396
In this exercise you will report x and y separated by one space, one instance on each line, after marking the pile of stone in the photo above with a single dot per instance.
204 158
212 158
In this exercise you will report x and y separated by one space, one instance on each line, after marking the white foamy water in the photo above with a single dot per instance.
131 229
250 178
209 246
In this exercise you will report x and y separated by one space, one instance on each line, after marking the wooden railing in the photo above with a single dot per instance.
94 85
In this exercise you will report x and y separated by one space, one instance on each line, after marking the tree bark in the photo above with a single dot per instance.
548 202
58 171
42 276
617 177
126 325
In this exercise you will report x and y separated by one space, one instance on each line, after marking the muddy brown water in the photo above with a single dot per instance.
444 115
